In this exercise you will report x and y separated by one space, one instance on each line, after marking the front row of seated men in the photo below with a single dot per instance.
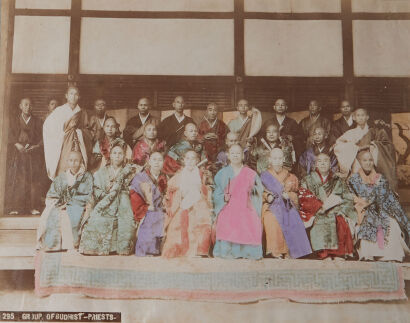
127 208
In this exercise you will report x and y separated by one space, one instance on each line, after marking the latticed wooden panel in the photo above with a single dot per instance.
39 93
381 99
117 95
329 96
264 99
197 100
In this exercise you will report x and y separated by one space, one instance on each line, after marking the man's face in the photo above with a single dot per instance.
345 108
117 156
272 133
211 112
179 104
190 160
72 96
143 106
242 106
156 161
318 136
25 107
314 108
231 139
366 161
280 106
74 162
323 164
191 132
235 155
150 132
276 157
52 105
110 128
361 117
99 107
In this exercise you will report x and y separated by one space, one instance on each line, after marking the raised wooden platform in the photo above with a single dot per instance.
18 239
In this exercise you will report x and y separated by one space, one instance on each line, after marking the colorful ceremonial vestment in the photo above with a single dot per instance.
110 227
212 146
333 224
237 206
285 232
381 217
188 215
65 204
146 193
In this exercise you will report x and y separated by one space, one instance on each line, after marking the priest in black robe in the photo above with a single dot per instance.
26 172
288 127
134 129
172 128
312 121
344 123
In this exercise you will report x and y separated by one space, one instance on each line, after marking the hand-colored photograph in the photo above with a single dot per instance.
205 161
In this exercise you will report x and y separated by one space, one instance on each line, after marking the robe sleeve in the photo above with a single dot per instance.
84 193
98 188
218 195
139 207
53 135
55 190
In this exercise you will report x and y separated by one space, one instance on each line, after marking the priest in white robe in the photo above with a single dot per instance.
66 130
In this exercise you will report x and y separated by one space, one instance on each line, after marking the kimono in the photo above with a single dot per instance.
285 231
381 218
66 200
381 147
171 130
188 222
65 130
339 127
237 206
259 156
246 128
101 154
95 126
143 149
308 159
25 170
288 127
110 227
146 195
135 126
332 229
173 160
308 124
212 146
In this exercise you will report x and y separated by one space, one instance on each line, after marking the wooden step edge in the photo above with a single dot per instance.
19 222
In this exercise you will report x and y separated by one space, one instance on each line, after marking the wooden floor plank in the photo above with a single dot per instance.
19 222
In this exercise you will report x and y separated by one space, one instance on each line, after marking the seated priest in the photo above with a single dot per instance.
326 205
66 200
173 160
381 219
285 233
